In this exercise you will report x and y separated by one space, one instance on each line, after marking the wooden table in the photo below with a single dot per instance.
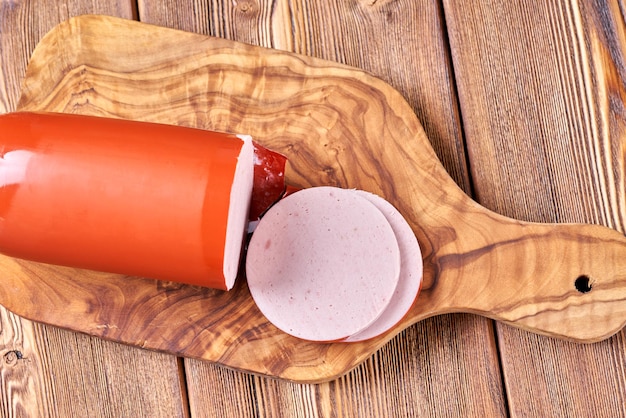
525 106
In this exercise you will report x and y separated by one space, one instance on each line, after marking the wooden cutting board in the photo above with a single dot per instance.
338 126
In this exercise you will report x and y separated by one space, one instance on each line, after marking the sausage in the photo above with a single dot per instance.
411 272
323 264
144 199
172 203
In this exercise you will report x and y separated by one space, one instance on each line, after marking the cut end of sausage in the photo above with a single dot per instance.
323 264
240 194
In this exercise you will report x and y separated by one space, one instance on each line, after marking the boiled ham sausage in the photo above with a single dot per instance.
174 203
144 199
330 264
324 264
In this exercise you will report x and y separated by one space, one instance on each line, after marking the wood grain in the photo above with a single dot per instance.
328 119
399 380
545 134
412 55
25 23
45 371
545 357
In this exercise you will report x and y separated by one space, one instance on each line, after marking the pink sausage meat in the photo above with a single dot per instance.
323 264
411 271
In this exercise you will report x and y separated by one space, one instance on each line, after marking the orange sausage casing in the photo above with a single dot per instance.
127 197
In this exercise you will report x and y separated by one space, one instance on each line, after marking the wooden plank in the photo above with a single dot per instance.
46 371
410 375
500 283
546 137
407 377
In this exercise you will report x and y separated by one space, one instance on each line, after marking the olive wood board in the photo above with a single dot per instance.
338 126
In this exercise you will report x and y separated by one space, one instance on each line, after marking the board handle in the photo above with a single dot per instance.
563 280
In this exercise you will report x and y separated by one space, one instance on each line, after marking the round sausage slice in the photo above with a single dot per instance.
323 264
411 271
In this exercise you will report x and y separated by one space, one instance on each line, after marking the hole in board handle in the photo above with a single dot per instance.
583 284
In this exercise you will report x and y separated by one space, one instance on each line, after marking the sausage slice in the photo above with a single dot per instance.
323 264
411 271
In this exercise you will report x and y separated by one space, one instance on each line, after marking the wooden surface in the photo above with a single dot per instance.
474 260
432 367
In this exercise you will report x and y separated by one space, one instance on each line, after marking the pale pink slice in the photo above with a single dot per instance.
411 272
323 264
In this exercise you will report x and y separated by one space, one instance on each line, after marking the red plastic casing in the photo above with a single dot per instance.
112 195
